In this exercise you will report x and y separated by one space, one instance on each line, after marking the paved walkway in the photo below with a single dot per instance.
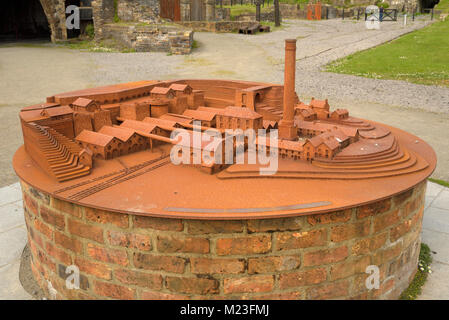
13 239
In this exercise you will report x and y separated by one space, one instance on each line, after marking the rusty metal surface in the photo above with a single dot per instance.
102 148
151 185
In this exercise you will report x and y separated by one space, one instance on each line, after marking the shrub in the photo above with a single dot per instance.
90 31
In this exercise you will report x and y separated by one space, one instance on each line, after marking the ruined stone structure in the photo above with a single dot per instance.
346 193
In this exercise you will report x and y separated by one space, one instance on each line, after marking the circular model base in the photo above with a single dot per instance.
320 256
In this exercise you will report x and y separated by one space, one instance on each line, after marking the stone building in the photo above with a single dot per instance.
22 19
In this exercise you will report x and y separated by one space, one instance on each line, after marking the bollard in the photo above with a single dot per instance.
413 15
405 20
343 14
358 14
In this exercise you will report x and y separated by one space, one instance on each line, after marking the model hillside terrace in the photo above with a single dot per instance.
83 144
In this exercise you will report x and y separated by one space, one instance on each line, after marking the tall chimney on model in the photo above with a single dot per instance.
287 129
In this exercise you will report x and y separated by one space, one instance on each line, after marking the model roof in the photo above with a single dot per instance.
139 125
161 90
241 112
322 126
94 138
180 87
40 106
211 110
341 111
330 141
121 133
40 114
321 104
269 124
179 118
200 115
82 102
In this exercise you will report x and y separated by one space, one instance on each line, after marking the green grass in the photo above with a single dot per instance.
443 5
195 45
237 9
108 45
418 57
116 18
272 26
440 182
414 289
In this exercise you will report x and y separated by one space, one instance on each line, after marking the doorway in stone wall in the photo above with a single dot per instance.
170 9
196 10
23 20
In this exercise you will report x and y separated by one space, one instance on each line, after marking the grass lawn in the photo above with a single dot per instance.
420 57
443 5
238 9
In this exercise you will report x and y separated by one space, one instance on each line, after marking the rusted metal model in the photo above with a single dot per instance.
109 148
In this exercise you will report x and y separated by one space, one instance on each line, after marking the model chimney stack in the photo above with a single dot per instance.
287 129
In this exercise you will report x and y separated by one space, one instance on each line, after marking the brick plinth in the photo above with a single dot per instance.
308 257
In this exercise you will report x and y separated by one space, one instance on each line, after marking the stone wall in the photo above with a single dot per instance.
150 38
222 14
293 11
55 13
216 26
103 13
322 256
138 10
264 16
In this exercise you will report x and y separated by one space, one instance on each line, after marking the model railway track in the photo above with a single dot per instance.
116 175
114 181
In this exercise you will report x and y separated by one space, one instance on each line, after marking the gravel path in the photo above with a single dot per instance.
29 74
260 57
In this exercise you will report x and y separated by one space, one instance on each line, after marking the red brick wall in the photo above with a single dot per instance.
310 257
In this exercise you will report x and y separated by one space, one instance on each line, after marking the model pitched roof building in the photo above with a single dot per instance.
86 105
139 126
94 138
157 92
121 133
182 88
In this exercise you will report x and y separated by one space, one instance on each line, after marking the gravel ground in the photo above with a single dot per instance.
260 57
29 74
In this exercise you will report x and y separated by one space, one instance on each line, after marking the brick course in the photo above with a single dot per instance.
321 256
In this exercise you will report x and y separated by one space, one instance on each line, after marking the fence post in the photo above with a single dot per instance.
358 14
327 13
277 15
431 17
413 14
258 11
